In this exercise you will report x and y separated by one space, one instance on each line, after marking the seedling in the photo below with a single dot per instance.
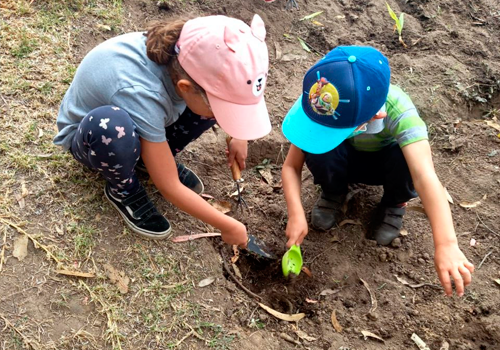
398 23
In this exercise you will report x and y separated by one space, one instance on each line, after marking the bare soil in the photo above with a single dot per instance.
451 69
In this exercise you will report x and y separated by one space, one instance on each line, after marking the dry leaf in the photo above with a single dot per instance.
367 334
348 197
206 282
236 255
207 196
235 193
305 336
448 196
372 296
186 238
118 278
24 190
420 343
20 201
293 57
103 27
266 175
469 204
419 209
75 273
237 271
403 232
289 339
277 46
406 283
335 323
350 222
328 292
222 206
497 281
311 301
20 247
306 271
319 24
493 125
281 316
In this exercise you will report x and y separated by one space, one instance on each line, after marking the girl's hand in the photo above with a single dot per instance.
237 151
235 235
296 230
450 261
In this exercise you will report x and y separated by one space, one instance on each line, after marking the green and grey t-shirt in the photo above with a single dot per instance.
118 72
402 125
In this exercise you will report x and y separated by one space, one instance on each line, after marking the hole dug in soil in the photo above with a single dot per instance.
265 278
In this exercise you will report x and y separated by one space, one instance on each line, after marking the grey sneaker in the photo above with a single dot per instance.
140 214
386 224
187 177
326 211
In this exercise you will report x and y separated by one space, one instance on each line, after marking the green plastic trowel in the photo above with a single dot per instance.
292 261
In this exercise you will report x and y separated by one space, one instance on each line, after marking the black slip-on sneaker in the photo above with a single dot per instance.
140 214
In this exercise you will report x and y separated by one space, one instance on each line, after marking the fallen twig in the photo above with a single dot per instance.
25 338
419 342
112 326
75 273
372 297
2 254
486 227
35 242
186 238
289 339
406 283
233 277
484 259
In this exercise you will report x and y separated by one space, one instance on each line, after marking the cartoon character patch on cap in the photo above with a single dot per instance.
324 97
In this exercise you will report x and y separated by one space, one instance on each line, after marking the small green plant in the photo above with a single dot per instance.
399 22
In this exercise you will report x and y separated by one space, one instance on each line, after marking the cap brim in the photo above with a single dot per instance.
309 136
243 122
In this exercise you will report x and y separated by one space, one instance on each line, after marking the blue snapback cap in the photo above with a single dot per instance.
343 90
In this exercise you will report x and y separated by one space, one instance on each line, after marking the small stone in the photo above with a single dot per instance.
421 261
413 312
426 256
382 257
372 316
396 243
263 317
348 303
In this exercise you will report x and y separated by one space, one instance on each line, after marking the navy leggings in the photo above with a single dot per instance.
343 165
106 141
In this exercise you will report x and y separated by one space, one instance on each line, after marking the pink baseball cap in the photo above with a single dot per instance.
229 60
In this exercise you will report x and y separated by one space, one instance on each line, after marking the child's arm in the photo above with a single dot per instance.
296 228
163 171
448 258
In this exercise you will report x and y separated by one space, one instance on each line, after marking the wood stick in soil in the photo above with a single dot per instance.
233 277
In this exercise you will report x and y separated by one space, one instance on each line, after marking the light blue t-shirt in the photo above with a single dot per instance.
118 72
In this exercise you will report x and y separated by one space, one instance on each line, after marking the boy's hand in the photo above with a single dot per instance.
236 235
296 230
237 151
450 261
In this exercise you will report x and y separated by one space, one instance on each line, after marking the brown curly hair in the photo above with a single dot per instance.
160 47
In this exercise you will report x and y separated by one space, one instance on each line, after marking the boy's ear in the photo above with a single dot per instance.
184 85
